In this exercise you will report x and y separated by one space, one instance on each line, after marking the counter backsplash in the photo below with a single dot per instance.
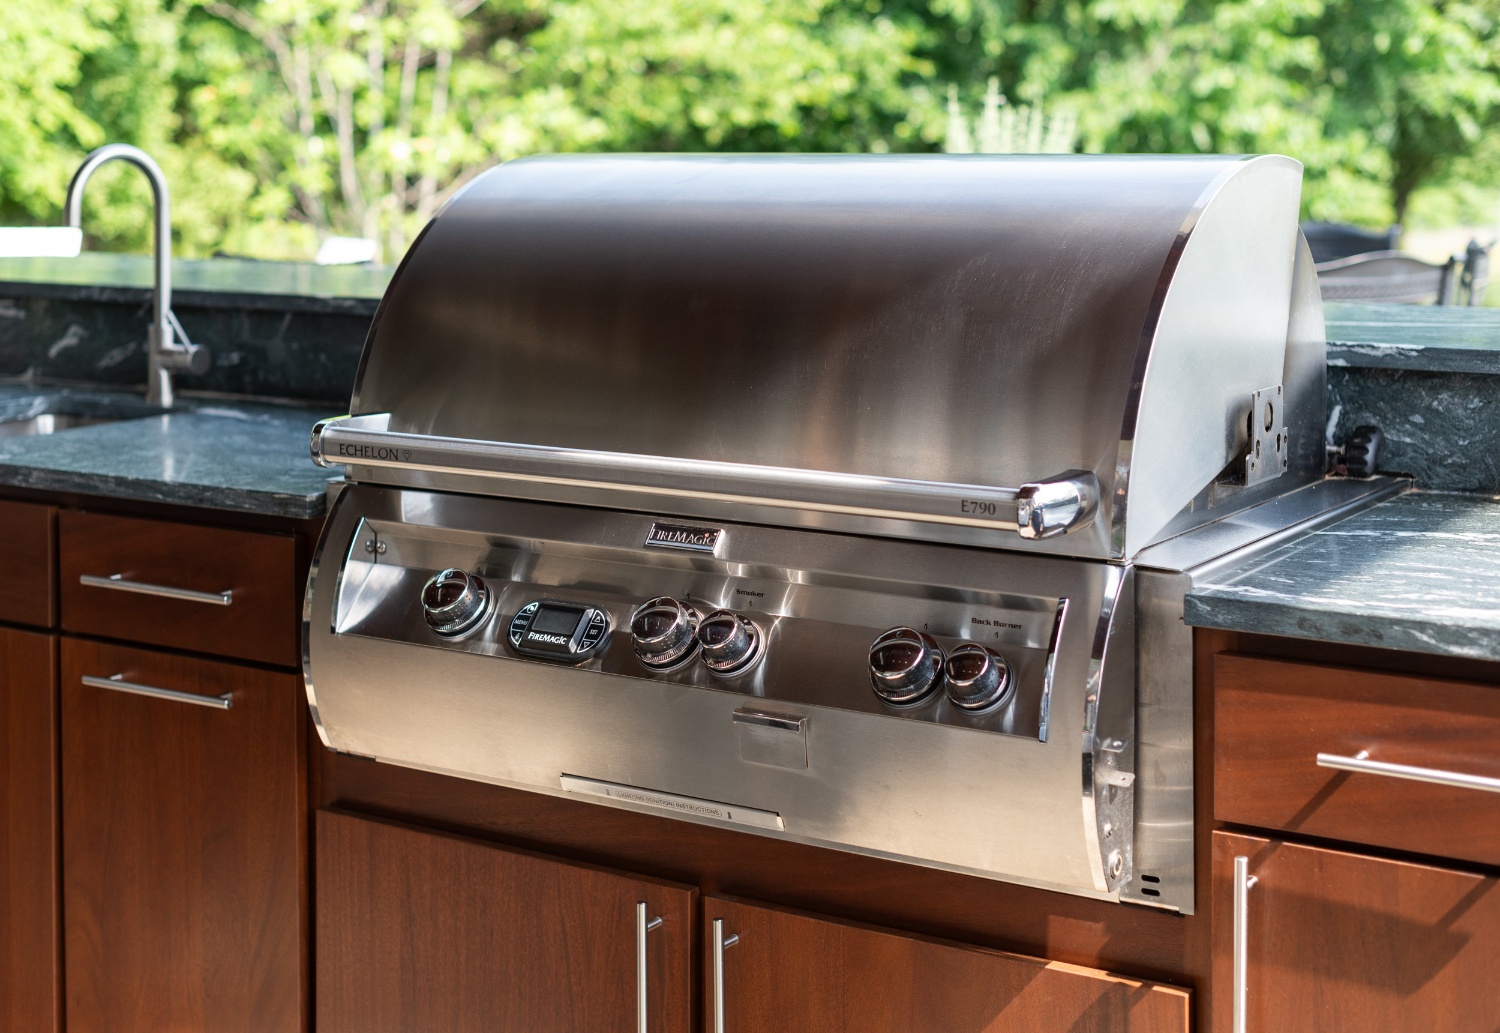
1430 378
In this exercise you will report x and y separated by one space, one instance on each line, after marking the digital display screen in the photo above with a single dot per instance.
557 620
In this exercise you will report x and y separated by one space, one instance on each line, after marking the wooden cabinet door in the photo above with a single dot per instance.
184 828
1340 942
794 973
30 937
422 931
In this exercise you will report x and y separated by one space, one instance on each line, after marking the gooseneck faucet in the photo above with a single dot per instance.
168 347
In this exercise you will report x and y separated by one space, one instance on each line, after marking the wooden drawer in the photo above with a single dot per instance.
28 592
1272 719
796 973
211 590
1339 942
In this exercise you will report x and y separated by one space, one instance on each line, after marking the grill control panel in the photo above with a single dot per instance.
978 658
556 630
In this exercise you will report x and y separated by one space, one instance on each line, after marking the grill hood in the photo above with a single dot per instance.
933 347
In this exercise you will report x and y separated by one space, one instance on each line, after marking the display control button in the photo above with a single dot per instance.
906 666
519 622
978 678
559 630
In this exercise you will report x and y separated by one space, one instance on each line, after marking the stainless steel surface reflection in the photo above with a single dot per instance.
984 792
974 321
998 402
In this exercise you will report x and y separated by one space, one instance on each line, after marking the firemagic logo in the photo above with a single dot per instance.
680 536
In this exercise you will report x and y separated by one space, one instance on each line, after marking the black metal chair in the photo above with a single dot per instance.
1331 241
1389 277
1393 277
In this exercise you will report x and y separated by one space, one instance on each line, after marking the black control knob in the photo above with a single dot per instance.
1362 454
454 601
663 632
731 643
978 678
905 666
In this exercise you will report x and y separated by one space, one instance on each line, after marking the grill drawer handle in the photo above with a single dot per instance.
117 683
721 944
1361 764
119 584
1038 509
1243 880
644 923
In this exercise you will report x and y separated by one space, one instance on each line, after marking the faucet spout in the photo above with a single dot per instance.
168 347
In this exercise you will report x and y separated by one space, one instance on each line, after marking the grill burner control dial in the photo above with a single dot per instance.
978 678
905 666
664 633
555 630
454 601
730 643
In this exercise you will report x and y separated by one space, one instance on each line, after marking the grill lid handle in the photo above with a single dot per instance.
1038 509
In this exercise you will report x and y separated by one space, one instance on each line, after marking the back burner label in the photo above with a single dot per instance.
681 536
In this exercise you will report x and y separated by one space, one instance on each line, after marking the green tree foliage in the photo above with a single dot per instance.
282 121
1377 97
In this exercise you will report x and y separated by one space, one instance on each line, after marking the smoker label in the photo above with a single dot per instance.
681 536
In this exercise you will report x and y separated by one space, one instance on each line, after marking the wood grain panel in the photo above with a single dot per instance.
28 587
796 973
259 569
30 917
184 835
1272 718
1338 941
1151 944
424 931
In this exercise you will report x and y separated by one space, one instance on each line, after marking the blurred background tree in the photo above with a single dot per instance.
280 122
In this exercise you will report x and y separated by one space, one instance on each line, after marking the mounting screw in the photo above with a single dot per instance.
1116 864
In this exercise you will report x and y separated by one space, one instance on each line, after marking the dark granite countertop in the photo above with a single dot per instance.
222 454
1436 338
1420 572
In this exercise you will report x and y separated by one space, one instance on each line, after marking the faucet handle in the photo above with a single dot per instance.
180 354
190 358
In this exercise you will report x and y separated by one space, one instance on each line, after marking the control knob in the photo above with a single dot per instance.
454 601
663 632
906 665
731 643
978 678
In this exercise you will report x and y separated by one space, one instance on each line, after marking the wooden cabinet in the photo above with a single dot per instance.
28 590
1272 720
30 937
795 973
183 832
1338 941
426 931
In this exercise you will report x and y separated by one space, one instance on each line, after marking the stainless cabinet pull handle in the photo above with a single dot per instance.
1243 880
117 683
643 925
1361 764
721 943
119 584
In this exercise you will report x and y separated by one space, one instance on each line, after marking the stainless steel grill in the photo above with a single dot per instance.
849 500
